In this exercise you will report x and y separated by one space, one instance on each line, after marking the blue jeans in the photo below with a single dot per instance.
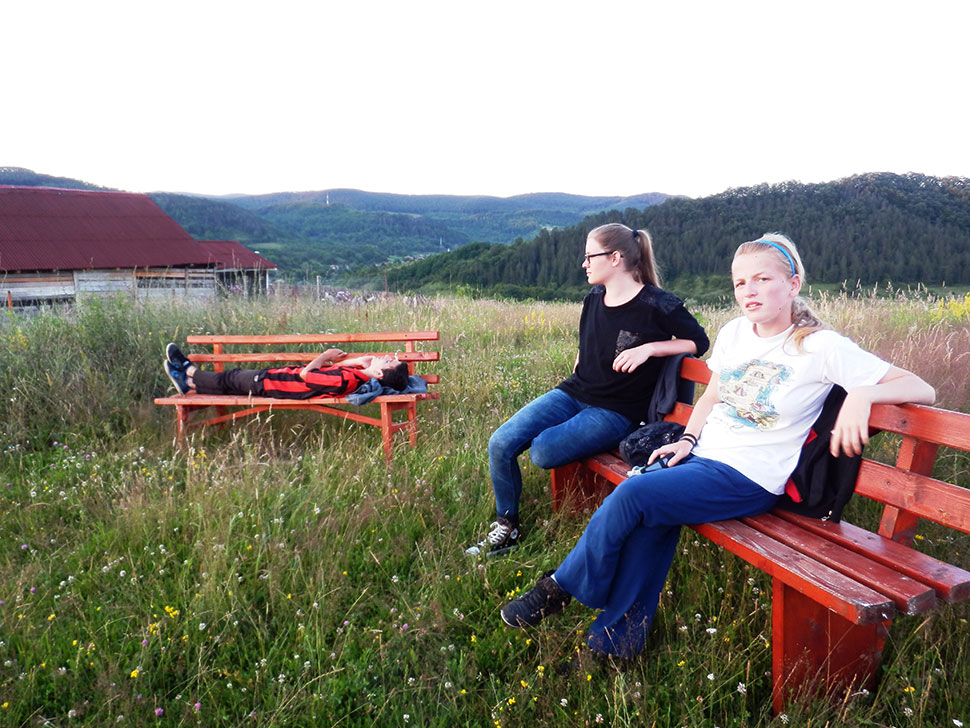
560 429
621 561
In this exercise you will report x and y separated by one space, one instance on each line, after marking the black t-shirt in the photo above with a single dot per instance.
604 331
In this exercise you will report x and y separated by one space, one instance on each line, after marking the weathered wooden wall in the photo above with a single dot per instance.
47 286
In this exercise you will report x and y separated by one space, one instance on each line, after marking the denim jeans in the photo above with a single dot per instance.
621 561
559 429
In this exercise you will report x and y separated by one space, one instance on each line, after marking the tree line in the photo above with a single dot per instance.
867 229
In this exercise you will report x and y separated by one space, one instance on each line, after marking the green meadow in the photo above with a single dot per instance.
277 573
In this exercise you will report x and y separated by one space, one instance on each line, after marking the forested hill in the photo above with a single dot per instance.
867 229
20 177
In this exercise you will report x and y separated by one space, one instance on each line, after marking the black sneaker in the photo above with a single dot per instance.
176 358
542 600
178 378
502 537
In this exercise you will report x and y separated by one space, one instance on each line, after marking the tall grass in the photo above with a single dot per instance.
276 573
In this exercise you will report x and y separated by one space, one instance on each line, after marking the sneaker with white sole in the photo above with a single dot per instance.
503 536
176 358
544 599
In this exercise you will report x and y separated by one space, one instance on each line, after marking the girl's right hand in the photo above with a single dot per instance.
677 451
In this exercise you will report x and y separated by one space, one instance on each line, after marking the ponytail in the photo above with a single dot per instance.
634 246
802 316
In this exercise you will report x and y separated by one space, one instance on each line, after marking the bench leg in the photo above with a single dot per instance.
181 422
816 650
578 486
412 409
387 433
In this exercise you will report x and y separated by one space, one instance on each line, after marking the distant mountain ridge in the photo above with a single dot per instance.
468 204
458 219
18 176
314 232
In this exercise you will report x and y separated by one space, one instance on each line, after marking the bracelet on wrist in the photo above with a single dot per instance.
687 437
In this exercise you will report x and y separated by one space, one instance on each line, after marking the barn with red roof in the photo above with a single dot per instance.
58 244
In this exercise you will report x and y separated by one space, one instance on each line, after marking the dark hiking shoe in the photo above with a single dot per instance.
502 537
542 600
176 358
178 378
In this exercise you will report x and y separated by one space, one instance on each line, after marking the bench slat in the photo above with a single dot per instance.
208 400
269 356
695 370
844 596
952 584
941 427
909 595
311 338
932 499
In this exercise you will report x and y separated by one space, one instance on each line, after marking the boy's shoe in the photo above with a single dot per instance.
178 377
502 537
542 600
176 358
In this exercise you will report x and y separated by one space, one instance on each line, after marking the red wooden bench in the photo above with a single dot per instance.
189 405
835 586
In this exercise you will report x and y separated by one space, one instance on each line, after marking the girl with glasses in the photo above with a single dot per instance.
627 325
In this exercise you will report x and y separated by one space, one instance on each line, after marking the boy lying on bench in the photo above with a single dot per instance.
313 380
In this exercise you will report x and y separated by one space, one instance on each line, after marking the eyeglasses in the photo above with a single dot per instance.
587 256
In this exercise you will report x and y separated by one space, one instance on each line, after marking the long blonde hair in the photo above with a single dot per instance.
802 316
635 246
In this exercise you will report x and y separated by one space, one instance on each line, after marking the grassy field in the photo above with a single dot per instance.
277 574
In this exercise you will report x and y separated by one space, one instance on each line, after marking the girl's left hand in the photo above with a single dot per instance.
677 451
629 359
851 431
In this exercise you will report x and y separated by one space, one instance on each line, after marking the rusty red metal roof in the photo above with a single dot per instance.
46 228
233 255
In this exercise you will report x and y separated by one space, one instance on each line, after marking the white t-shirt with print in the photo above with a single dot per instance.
771 394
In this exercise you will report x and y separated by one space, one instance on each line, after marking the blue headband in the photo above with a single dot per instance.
784 252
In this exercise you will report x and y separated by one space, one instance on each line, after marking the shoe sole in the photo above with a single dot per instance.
505 551
517 624
173 380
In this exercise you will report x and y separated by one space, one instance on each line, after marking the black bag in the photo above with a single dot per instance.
822 484
636 447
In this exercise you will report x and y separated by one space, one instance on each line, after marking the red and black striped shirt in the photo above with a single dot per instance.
285 382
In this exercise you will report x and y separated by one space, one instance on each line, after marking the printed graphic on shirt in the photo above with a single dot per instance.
627 340
749 389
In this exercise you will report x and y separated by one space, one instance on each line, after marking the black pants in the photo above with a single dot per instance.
232 381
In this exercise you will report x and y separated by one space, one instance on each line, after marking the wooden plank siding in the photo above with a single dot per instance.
26 288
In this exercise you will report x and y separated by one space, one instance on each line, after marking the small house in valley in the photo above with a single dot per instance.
59 244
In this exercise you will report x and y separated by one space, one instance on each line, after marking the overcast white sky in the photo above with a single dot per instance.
500 98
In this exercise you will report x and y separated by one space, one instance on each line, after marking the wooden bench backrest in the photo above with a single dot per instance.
220 356
905 489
